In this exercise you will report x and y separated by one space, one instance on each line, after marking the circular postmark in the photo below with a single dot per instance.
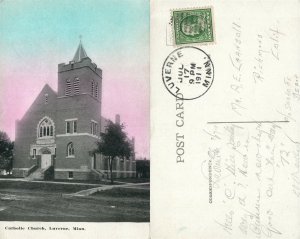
188 73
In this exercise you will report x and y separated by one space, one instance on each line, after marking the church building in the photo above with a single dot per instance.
57 134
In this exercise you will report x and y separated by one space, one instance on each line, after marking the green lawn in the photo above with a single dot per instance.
133 180
25 201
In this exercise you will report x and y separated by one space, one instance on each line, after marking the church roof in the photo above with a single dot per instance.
80 53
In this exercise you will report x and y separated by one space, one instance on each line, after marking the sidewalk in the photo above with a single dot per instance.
122 184
49 182
90 191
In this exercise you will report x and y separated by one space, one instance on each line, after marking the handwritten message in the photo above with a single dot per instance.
252 165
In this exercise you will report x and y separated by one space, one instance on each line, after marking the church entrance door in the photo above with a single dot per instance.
46 160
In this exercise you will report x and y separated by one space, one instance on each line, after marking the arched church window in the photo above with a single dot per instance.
76 86
46 128
70 149
68 87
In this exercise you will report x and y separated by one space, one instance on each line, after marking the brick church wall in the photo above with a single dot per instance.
84 106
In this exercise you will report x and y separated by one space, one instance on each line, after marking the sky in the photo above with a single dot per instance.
35 36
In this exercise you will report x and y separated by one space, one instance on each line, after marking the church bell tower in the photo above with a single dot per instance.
80 76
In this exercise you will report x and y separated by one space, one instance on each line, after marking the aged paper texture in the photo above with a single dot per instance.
225 108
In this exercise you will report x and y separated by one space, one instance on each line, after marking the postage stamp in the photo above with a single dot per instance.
193 26
188 73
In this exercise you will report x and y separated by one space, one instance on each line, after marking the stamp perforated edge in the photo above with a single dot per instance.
194 43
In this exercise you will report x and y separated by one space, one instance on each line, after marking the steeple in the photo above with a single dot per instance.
80 53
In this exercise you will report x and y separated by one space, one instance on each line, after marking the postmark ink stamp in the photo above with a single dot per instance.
193 26
188 73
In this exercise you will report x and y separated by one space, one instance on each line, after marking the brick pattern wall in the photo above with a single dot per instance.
19 172
76 175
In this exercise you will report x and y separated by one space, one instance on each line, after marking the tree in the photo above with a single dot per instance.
143 168
6 152
113 144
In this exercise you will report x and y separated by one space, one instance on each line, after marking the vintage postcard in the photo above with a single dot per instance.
225 119
74 119
90 94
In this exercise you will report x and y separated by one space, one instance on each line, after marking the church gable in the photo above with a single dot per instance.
45 101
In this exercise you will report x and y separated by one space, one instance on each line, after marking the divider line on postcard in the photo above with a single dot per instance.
248 122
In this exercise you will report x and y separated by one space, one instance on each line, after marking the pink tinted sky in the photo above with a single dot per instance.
29 60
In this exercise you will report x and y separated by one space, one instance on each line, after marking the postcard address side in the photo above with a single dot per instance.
240 173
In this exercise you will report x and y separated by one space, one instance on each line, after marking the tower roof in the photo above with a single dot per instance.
80 53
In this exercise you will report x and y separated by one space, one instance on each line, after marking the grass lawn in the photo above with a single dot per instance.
133 180
25 201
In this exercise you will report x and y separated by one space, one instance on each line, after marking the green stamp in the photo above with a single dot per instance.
193 26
